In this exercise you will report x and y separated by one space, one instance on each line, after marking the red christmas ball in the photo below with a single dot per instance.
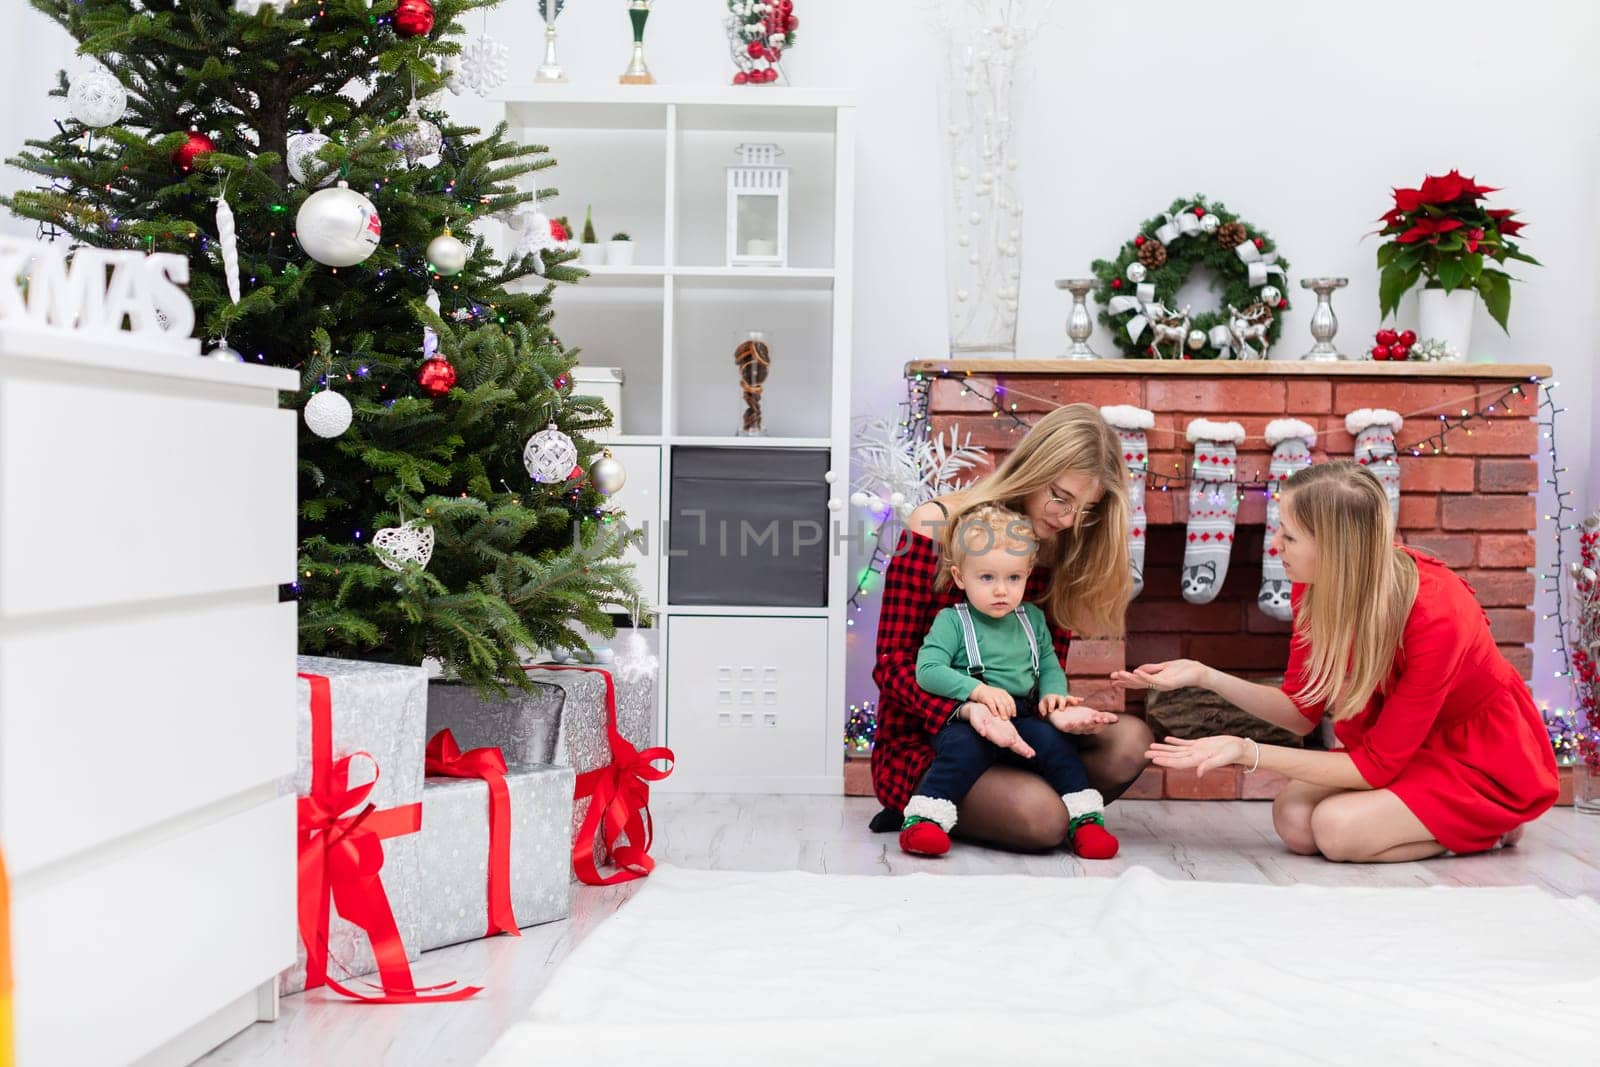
183 157
1401 351
1408 338
791 23
770 74
1283 305
413 18
741 78
1138 242
437 377
756 49
1387 337
1116 283
1382 352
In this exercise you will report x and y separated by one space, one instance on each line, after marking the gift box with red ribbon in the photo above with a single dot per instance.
361 732
597 727
495 852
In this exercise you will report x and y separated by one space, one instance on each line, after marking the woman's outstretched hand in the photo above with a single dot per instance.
1002 732
1202 754
1173 674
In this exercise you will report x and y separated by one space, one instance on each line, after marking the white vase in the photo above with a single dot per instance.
619 253
1447 317
593 254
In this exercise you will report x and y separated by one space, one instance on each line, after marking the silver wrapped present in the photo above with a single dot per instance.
453 894
563 721
379 709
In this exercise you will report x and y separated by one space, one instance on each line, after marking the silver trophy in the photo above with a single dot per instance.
1079 324
550 72
1323 324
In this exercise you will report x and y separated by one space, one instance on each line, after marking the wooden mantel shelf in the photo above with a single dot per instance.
1253 368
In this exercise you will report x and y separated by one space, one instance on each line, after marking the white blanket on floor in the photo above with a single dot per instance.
707 967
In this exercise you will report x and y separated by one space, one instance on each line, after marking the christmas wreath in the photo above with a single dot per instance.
1137 289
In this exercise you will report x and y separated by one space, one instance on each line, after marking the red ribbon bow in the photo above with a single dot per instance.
445 758
341 858
619 800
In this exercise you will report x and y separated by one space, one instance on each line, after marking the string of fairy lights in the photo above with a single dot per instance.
1567 727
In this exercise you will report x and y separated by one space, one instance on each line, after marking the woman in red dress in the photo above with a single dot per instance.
1069 478
1442 747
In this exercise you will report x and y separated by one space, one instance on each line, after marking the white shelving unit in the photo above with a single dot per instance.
751 696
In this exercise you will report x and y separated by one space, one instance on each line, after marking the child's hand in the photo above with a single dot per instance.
1056 701
996 700
1080 720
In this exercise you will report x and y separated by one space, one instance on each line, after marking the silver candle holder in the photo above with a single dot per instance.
1323 323
550 72
1079 324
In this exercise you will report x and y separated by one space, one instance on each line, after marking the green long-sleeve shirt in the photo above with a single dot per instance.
942 662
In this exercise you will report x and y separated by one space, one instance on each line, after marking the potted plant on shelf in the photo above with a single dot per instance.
594 253
1442 235
619 250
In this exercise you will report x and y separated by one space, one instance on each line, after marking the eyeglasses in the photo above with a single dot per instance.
1082 515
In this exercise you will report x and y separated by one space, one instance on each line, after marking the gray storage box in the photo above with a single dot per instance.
749 526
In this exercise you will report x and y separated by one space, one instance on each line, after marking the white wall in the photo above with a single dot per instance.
1298 116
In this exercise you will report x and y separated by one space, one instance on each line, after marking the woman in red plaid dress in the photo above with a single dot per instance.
1069 478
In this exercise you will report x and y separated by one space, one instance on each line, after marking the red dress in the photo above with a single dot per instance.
908 715
1456 735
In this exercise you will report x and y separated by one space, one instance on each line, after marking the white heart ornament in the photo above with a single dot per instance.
411 542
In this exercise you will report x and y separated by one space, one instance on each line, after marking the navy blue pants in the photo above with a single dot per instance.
960 756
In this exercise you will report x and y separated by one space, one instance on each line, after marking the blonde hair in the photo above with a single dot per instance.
985 529
1353 613
1091 577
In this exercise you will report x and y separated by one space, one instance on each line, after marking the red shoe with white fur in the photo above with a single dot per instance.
924 838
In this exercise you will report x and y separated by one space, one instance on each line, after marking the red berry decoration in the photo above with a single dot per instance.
1387 337
1382 352
756 49
1283 305
1138 242
1401 351
437 377
791 23
183 157
1408 338
1199 212
740 78
1116 283
1258 242
413 18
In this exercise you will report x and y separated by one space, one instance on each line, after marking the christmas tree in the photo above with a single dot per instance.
232 120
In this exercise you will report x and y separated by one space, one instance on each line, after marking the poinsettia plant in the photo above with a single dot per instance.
1441 232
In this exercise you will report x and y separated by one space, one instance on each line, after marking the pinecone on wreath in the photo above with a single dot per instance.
1231 235
1153 254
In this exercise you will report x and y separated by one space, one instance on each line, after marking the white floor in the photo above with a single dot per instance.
1213 842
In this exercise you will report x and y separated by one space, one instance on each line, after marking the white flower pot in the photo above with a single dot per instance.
1448 317
593 255
619 253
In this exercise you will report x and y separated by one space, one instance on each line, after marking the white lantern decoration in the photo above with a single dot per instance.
758 208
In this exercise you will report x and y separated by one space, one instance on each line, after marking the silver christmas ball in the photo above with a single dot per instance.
225 354
1136 273
95 97
608 474
550 455
338 226
1197 339
328 414
419 140
1270 295
1209 222
446 254
300 156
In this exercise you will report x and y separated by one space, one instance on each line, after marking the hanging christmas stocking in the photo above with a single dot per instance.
1213 504
1131 423
1374 430
1291 452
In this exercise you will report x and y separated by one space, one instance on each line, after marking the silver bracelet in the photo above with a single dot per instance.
1257 747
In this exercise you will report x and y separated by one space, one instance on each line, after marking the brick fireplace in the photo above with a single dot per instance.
1471 505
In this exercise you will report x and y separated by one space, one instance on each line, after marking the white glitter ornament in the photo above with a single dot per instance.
410 542
328 414
419 140
550 456
95 97
338 226
300 156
